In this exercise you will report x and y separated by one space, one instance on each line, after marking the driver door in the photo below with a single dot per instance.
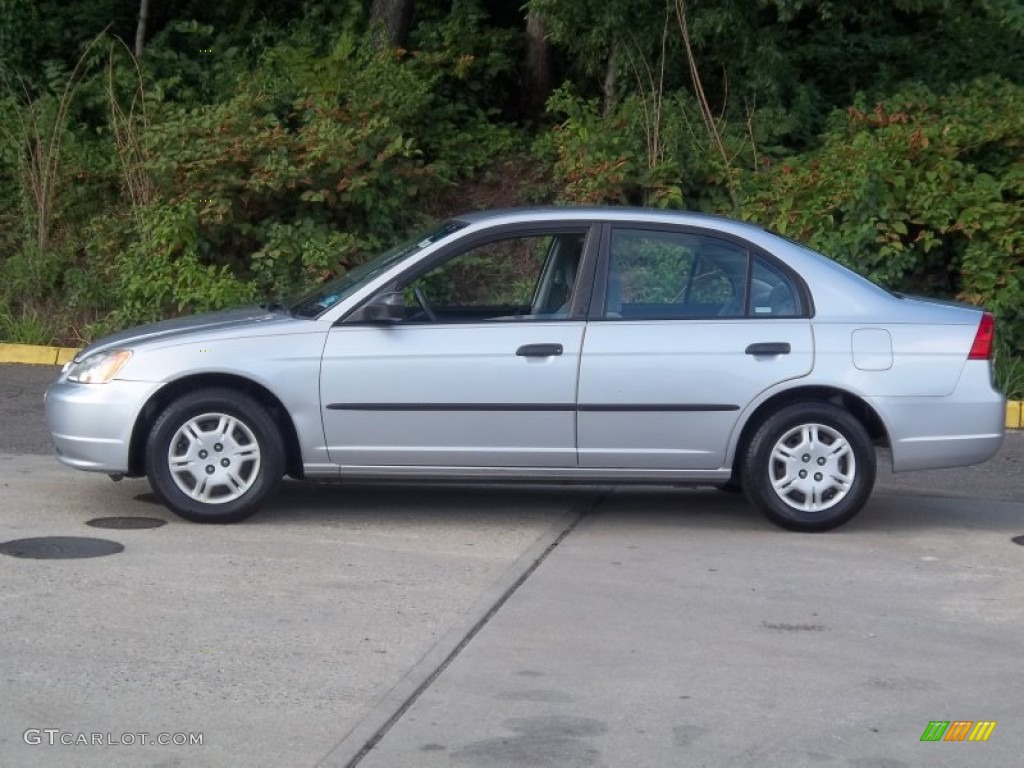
481 369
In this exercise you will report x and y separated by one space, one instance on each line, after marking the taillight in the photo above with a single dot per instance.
981 349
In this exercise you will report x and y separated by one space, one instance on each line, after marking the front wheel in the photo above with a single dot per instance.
809 467
214 455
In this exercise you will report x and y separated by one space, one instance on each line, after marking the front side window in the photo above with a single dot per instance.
520 277
331 293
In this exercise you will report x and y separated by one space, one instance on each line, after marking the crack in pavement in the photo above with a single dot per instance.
371 729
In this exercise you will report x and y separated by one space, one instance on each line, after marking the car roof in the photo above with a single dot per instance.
608 213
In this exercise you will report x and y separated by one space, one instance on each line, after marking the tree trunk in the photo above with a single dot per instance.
537 82
140 30
610 87
396 16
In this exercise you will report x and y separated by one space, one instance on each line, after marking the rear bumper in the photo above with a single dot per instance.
91 424
966 427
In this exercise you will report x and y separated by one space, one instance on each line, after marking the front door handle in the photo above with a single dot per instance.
539 350
768 348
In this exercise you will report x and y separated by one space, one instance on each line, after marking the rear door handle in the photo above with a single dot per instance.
768 348
539 350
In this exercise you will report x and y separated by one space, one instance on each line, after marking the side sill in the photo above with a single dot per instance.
581 475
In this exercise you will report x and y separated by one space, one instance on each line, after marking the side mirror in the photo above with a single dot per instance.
383 308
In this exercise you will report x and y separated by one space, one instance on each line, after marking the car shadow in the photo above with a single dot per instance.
897 510
327 503
353 504
887 511
320 504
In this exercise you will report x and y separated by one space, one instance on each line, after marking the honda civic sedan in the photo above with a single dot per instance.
557 345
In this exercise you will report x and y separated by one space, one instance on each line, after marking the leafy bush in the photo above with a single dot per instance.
155 269
26 326
1009 371
595 157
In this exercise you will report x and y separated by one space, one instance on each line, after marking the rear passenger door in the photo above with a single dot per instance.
687 326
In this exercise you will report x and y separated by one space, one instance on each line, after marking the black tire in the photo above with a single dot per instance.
803 438
227 426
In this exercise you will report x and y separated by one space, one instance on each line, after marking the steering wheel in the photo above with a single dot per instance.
424 304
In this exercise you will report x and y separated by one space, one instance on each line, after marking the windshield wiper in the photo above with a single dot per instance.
276 306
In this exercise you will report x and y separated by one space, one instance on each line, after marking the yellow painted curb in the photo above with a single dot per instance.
1014 414
33 355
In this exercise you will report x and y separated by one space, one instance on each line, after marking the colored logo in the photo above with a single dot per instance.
958 730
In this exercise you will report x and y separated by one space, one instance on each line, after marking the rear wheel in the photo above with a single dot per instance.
809 467
214 455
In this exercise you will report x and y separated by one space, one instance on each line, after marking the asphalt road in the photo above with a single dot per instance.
468 626
22 429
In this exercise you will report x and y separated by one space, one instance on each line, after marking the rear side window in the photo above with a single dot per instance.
772 292
671 275
663 275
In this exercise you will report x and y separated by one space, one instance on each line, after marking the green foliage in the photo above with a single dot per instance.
17 17
297 255
160 272
27 326
40 296
470 71
307 163
647 152
39 37
595 157
1009 370
44 192
193 63
799 57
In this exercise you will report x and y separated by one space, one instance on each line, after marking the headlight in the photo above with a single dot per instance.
99 368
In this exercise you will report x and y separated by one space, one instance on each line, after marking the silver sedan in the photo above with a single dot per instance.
548 345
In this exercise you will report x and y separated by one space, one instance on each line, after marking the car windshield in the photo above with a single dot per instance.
330 293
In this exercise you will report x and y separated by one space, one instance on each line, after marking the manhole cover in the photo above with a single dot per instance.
126 523
60 547
1018 540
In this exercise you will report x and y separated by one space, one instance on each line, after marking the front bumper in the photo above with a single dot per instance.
91 424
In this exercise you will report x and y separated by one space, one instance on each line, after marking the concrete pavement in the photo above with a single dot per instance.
272 638
676 630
